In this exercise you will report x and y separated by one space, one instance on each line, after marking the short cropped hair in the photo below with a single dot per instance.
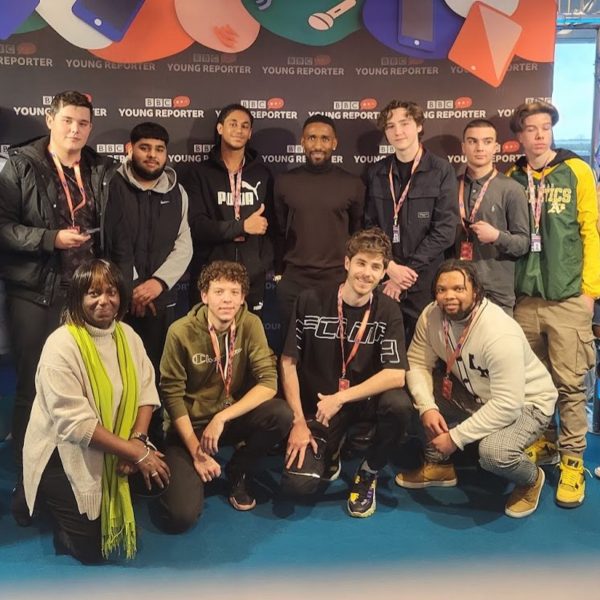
527 109
95 273
479 123
412 109
224 269
227 110
320 118
150 131
467 268
70 98
373 241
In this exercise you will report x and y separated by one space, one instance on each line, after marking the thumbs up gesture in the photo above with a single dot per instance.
256 224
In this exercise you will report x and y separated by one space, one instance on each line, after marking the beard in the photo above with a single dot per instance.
144 173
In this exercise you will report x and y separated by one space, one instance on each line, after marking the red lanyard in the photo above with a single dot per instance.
400 202
461 199
227 372
359 335
450 355
235 183
65 185
536 199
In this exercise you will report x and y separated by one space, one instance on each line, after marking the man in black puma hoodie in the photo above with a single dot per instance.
231 205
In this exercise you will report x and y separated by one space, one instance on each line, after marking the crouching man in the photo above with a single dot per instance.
218 379
344 360
492 389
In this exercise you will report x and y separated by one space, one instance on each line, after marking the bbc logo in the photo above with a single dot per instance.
202 148
110 148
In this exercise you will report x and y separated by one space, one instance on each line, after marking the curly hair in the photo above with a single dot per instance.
224 269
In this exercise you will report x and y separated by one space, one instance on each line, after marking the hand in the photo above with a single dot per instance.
392 290
154 469
206 466
138 309
402 276
443 444
299 439
433 423
147 292
70 238
209 442
486 233
125 468
256 224
589 302
328 406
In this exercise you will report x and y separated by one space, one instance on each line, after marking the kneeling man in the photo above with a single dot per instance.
218 379
345 358
492 390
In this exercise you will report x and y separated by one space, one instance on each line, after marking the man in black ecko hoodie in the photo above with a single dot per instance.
231 195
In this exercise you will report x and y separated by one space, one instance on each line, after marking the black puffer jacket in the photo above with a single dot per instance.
29 262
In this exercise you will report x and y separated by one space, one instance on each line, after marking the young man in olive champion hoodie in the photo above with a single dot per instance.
218 380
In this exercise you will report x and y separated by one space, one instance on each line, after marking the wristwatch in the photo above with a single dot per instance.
137 435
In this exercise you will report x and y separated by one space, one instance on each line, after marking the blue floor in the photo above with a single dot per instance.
410 532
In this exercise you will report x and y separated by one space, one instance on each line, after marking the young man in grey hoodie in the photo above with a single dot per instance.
147 234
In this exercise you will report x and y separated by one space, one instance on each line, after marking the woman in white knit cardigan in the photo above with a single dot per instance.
95 394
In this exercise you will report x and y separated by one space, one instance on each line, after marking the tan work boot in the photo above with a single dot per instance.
524 499
428 475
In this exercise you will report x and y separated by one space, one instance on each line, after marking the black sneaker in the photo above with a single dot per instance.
239 495
361 501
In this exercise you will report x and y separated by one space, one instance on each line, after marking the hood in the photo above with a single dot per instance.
250 155
199 313
166 182
562 155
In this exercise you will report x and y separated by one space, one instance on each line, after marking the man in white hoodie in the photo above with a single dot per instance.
148 236
492 389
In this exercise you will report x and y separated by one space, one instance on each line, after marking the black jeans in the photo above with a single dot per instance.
392 411
260 429
153 331
29 326
74 533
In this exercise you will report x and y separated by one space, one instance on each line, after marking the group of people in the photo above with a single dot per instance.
396 295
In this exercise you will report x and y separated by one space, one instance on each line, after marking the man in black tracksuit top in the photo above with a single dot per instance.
419 210
148 236
231 197
47 228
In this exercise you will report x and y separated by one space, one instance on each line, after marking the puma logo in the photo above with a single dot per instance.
254 190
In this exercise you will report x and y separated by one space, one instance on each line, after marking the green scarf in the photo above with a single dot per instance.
117 520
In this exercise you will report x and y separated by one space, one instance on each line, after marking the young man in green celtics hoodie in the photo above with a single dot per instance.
557 282
218 380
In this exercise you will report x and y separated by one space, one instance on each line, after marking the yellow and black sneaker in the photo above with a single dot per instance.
570 491
361 501
543 452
